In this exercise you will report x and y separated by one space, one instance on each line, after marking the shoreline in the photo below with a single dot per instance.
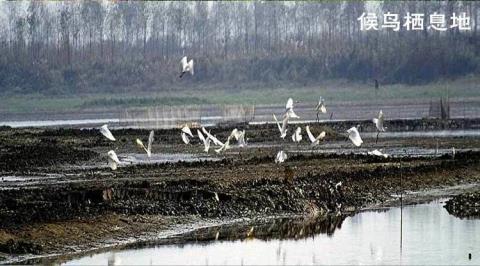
183 233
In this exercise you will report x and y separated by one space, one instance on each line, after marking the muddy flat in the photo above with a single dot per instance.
59 196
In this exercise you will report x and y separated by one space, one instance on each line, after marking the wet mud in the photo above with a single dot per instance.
465 205
87 203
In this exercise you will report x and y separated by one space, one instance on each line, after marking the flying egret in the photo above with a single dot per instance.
283 128
113 160
186 66
106 132
297 135
281 157
354 136
206 141
315 141
225 146
185 138
235 134
185 133
289 109
213 138
186 130
378 153
320 108
378 121
147 149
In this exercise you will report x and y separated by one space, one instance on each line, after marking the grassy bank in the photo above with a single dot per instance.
332 90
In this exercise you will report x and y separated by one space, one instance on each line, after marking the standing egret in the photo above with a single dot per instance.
113 160
378 121
213 138
283 128
106 132
239 136
235 133
281 157
241 139
315 141
297 135
147 149
378 153
186 66
206 141
320 108
289 110
354 136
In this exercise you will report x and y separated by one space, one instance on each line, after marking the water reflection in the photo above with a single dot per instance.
430 236
280 228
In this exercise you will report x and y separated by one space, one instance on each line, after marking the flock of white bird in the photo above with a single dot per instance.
207 138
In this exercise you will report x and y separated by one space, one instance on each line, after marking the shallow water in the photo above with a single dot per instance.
53 123
132 158
430 236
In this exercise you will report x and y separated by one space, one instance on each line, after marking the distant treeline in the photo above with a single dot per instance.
92 46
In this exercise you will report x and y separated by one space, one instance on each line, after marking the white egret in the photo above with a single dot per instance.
186 130
185 133
241 139
283 128
315 141
378 153
106 132
320 108
225 146
186 66
216 197
113 160
378 121
206 141
289 109
281 157
235 134
147 149
354 136
297 135
239 136
185 138
213 138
